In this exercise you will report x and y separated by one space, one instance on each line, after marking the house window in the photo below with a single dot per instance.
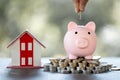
29 46
22 46
23 61
30 61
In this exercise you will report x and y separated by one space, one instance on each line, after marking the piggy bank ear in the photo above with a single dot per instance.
91 25
71 25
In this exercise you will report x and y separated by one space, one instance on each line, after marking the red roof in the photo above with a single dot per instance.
19 36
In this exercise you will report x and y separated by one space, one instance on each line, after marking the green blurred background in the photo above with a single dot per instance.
48 19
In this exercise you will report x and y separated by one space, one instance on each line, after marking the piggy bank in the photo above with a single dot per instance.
80 41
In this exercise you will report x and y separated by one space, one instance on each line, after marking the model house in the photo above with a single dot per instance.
25 51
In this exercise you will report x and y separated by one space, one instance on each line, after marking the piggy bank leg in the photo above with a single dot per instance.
89 57
72 56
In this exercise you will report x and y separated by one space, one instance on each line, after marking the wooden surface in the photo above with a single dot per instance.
38 74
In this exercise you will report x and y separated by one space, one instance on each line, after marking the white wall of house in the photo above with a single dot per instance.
15 53
37 53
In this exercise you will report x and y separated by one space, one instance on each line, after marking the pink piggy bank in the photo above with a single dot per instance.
80 41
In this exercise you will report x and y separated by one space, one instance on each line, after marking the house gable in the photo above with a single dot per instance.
22 35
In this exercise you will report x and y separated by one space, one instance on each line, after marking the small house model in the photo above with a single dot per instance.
25 51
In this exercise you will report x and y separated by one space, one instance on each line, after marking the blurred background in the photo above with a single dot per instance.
47 20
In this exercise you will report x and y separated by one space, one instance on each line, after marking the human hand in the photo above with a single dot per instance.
79 5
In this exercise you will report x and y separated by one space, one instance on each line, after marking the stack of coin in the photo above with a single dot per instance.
79 65
55 62
47 67
53 69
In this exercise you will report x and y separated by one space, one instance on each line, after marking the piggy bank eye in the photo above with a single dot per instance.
76 32
89 33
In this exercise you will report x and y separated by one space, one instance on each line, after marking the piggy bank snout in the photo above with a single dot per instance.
81 43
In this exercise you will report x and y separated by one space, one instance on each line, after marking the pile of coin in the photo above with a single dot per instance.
76 66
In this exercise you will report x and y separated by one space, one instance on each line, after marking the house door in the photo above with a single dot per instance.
26 50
